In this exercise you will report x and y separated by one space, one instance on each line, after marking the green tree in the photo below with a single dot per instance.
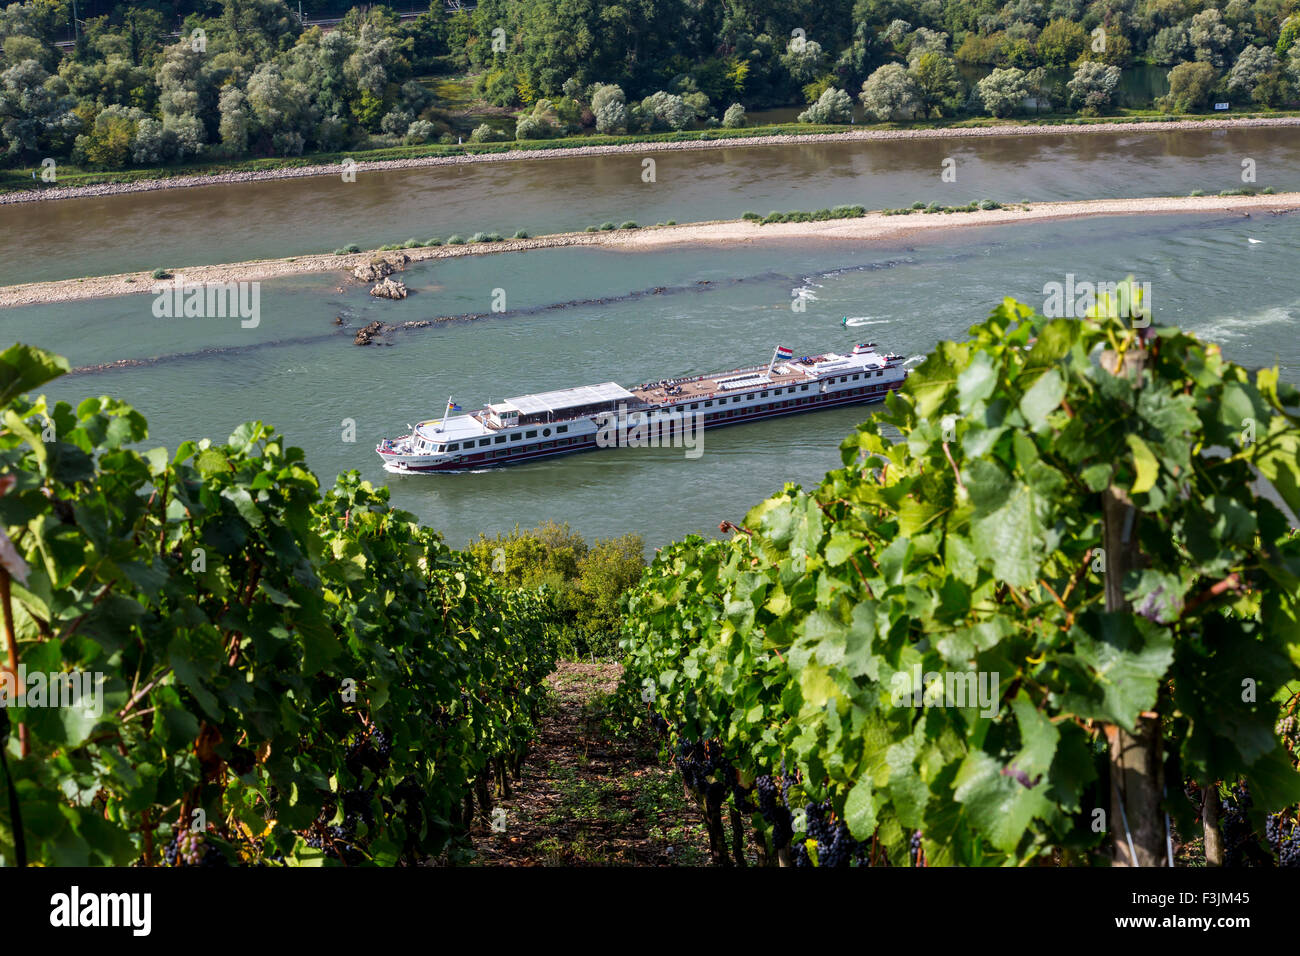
1252 69
610 108
936 81
1092 88
1061 43
1190 85
1003 92
891 92
833 106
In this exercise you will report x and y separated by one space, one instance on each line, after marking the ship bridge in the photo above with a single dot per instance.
577 402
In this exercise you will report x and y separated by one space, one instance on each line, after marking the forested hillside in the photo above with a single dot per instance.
244 78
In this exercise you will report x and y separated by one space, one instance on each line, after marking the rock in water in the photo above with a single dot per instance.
389 289
381 266
369 332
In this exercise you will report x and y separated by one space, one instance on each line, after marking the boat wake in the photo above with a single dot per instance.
855 321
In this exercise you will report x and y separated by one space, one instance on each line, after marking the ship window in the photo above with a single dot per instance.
706 405
562 429
695 404
484 441
803 388
531 434
499 440
516 437
749 397
763 394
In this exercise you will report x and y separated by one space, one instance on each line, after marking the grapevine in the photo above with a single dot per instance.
319 676
963 538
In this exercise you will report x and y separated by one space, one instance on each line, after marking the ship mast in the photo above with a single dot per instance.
772 364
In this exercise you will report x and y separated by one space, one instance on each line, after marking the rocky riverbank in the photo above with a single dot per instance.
565 152
869 227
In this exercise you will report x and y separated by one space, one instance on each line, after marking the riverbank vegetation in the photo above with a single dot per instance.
587 580
243 85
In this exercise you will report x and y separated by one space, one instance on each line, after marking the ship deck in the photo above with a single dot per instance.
693 390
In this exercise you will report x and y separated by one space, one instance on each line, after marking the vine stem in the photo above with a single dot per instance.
955 470
11 648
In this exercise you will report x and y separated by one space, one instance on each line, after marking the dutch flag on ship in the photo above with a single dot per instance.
784 353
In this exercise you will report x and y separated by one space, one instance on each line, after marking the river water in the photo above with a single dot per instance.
579 316
224 223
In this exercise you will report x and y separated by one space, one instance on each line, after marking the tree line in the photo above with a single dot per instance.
246 79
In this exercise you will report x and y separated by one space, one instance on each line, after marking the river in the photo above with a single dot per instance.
223 223
655 314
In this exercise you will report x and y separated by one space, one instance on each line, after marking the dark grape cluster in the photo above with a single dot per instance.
771 804
188 848
699 761
371 751
1284 837
1241 846
358 808
337 842
659 724
914 850
835 847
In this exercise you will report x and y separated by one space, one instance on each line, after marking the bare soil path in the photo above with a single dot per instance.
593 791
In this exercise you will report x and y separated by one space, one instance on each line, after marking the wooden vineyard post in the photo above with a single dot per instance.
1136 768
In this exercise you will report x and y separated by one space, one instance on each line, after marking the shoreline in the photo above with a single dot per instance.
872 226
57 193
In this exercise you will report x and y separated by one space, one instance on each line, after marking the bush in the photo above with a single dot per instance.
1196 192
671 222
161 274
433 242
592 229
734 117
531 127
520 234
606 226
483 133
456 240
629 225
412 244
751 215
421 131
833 106
667 111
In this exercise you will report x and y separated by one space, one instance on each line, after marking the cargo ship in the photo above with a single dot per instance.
587 417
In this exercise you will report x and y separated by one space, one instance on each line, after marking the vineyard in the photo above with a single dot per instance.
1046 613
268 672
1043 614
